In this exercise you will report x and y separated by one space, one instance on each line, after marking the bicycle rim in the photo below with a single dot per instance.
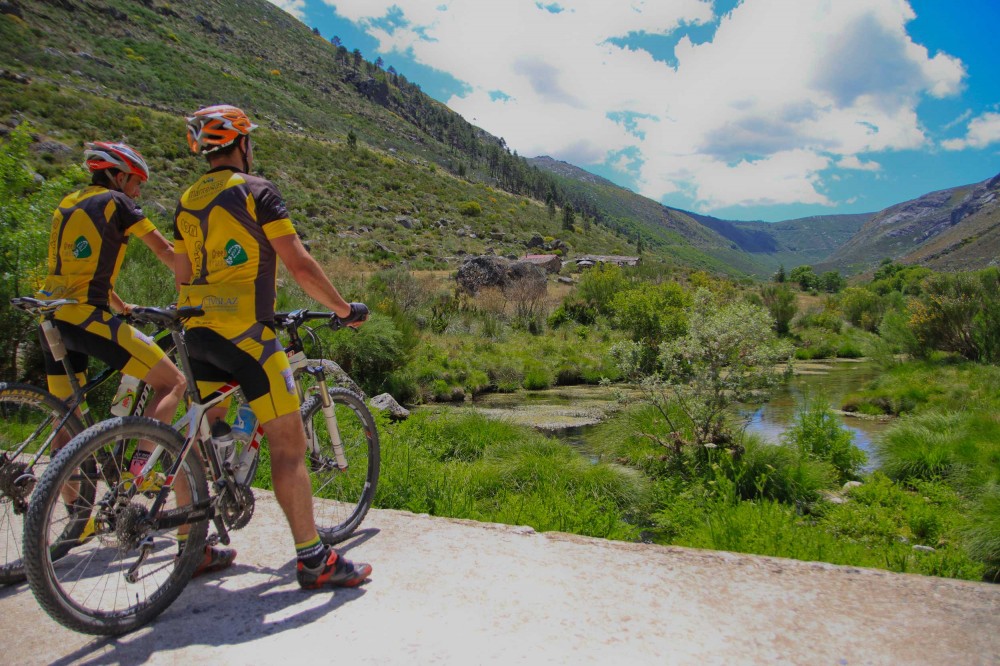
27 417
342 497
96 568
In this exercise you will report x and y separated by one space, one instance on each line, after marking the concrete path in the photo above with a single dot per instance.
458 592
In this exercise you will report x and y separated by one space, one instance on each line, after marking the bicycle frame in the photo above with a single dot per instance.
196 430
78 399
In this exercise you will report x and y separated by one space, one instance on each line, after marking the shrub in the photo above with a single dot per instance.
371 354
817 433
470 208
537 377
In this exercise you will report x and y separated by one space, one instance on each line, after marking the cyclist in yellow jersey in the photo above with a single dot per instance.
230 228
90 229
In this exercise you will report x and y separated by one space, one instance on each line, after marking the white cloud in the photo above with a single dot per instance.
982 131
852 162
294 7
784 90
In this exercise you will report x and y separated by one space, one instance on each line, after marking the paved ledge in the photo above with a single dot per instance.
459 592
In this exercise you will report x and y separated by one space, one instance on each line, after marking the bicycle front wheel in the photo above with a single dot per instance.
122 570
342 495
28 416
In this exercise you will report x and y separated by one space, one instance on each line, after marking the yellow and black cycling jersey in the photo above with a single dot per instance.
224 224
90 229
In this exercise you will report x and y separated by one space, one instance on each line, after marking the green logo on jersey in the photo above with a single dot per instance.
235 254
81 248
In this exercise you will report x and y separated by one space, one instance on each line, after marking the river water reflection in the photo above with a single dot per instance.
570 412
829 381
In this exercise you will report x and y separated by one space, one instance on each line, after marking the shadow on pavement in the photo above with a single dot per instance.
217 611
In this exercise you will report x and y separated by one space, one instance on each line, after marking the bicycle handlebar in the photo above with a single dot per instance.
294 318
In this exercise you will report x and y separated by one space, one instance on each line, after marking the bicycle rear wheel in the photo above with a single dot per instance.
28 416
342 497
121 572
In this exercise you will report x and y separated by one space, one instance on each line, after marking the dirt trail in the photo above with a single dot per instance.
458 592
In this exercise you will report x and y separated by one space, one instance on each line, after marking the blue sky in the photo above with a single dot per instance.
752 110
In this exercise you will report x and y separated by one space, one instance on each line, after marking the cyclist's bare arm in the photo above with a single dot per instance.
161 247
118 304
182 270
307 272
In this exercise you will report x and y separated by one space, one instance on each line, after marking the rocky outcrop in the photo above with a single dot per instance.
493 271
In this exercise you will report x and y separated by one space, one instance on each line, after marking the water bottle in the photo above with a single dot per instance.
52 336
125 397
243 432
246 423
222 438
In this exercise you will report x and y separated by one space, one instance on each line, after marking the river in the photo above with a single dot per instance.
570 412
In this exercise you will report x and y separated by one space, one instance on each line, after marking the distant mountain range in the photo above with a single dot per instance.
949 230
82 70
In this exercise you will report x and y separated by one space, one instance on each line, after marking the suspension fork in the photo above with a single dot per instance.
330 415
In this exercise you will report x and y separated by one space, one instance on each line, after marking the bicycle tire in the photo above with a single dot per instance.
64 586
27 416
341 498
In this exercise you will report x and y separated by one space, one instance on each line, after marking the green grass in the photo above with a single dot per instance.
467 466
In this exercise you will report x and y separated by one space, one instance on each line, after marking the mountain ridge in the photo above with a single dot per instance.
144 64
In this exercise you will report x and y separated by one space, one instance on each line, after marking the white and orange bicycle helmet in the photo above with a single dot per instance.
216 127
106 155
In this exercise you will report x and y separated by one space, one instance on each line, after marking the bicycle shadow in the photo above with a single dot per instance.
219 611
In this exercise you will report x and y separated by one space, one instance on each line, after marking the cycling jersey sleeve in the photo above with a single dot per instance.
272 215
128 214
141 228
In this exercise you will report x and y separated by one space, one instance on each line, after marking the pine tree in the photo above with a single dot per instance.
569 216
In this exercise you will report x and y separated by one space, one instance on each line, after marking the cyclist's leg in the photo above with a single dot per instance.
58 381
287 442
148 362
59 386
258 362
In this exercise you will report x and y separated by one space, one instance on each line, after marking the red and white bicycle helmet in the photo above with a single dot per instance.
106 155
216 127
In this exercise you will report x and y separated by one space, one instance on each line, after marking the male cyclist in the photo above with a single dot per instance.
90 229
230 228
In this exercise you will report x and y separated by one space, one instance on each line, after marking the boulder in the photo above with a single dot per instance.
385 402
482 271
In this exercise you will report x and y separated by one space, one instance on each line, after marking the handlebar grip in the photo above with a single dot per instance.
359 312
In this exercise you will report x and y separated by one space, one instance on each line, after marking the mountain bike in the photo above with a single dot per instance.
32 420
127 570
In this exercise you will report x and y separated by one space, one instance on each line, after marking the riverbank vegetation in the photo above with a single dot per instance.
674 466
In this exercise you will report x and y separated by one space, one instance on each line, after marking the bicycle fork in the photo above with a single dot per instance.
330 416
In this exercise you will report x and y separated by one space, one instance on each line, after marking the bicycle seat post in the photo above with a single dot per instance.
47 311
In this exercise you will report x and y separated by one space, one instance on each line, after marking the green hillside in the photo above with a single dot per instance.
369 165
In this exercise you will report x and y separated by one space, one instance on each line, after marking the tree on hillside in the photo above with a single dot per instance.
335 40
806 278
357 58
569 216
831 282
779 277
780 302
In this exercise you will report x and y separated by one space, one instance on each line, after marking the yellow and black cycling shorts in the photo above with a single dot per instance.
91 331
255 359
